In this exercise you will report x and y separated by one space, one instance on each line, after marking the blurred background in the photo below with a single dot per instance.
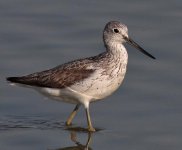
146 111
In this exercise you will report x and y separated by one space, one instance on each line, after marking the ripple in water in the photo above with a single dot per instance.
29 122
21 122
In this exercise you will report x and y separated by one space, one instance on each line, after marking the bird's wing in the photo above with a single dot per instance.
59 77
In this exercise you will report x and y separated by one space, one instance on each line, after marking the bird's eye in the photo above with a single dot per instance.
116 30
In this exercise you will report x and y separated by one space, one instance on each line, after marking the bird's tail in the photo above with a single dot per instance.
15 79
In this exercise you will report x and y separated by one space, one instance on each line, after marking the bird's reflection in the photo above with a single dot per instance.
78 145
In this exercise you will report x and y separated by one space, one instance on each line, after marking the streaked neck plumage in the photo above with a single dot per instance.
117 50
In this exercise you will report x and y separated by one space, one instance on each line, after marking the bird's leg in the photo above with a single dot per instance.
90 127
72 115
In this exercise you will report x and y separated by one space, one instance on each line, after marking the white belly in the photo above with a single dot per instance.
67 95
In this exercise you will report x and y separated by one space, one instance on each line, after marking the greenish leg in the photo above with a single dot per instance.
90 127
72 115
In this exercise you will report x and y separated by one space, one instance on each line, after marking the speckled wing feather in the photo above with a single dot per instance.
59 77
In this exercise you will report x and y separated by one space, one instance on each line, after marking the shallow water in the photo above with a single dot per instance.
145 113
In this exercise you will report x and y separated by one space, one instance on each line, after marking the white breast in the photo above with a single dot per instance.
102 82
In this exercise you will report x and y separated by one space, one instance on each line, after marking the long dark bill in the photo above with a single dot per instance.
132 43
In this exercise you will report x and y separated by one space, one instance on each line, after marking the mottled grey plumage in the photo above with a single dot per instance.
86 80
59 77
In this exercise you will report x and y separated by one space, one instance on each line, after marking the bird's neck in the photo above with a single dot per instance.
117 50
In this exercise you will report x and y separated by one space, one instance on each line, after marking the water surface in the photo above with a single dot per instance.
145 113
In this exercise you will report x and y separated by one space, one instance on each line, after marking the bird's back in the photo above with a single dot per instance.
58 77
